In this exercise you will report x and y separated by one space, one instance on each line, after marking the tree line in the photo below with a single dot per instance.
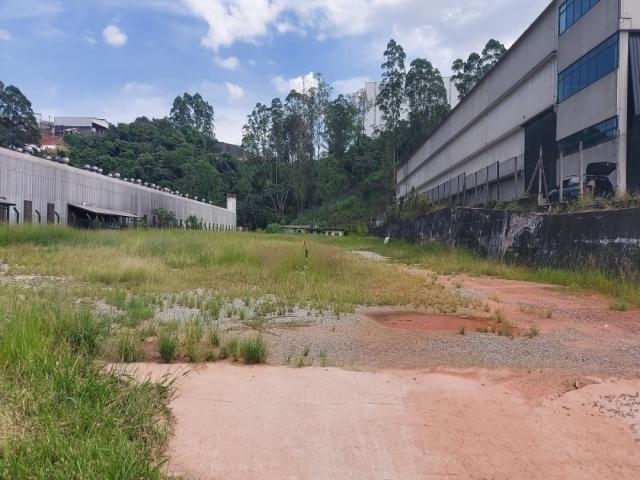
307 156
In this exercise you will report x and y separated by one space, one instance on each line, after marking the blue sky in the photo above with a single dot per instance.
120 59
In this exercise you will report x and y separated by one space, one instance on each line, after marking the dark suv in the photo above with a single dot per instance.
596 182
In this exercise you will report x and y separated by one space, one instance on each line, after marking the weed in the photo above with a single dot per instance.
305 352
619 305
506 329
128 348
214 336
462 330
499 316
533 331
167 347
229 349
253 350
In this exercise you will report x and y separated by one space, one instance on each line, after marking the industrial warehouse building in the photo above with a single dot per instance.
37 190
572 78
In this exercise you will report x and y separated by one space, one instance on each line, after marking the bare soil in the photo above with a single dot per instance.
416 399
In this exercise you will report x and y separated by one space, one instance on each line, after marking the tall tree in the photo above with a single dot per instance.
341 126
426 99
18 125
195 112
391 97
468 73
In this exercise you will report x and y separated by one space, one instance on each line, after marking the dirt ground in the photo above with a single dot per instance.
418 397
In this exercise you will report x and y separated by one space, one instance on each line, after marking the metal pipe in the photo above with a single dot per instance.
39 216
561 188
17 215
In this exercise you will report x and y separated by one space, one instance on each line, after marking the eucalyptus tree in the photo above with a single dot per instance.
426 99
391 98
195 112
468 73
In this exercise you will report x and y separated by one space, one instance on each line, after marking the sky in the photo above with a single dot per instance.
121 59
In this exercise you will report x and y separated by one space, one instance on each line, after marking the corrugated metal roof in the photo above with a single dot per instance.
80 122
104 211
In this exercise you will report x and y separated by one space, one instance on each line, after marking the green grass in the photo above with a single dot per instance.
451 261
66 417
128 349
253 350
167 346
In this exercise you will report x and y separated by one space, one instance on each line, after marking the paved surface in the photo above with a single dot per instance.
241 423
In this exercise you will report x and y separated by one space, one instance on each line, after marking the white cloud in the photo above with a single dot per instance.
235 91
349 85
114 36
299 84
230 63
4 35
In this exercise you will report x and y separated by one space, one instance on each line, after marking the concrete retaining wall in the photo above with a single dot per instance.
609 239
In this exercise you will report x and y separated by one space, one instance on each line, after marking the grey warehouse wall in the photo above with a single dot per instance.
25 177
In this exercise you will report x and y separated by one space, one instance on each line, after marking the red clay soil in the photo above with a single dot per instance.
271 423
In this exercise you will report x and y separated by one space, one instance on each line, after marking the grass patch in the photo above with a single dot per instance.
70 417
619 305
253 350
127 346
167 346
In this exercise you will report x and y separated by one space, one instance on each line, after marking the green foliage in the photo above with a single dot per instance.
468 73
18 126
274 228
253 350
165 218
167 346
74 418
193 112
193 223
128 348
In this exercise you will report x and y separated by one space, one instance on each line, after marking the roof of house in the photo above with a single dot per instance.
80 122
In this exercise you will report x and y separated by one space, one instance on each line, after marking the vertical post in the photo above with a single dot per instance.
475 196
581 169
623 107
498 180
515 177
464 186
561 188
540 167
487 196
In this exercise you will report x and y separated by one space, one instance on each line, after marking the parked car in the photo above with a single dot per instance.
596 182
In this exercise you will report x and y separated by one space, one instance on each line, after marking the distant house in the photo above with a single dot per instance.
311 230
80 125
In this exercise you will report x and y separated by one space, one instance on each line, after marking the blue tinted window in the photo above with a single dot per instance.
590 137
572 10
587 70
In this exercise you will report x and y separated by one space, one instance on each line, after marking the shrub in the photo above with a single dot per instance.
253 350
83 332
274 228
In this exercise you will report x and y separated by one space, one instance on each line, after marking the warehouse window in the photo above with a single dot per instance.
596 64
590 137
572 10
